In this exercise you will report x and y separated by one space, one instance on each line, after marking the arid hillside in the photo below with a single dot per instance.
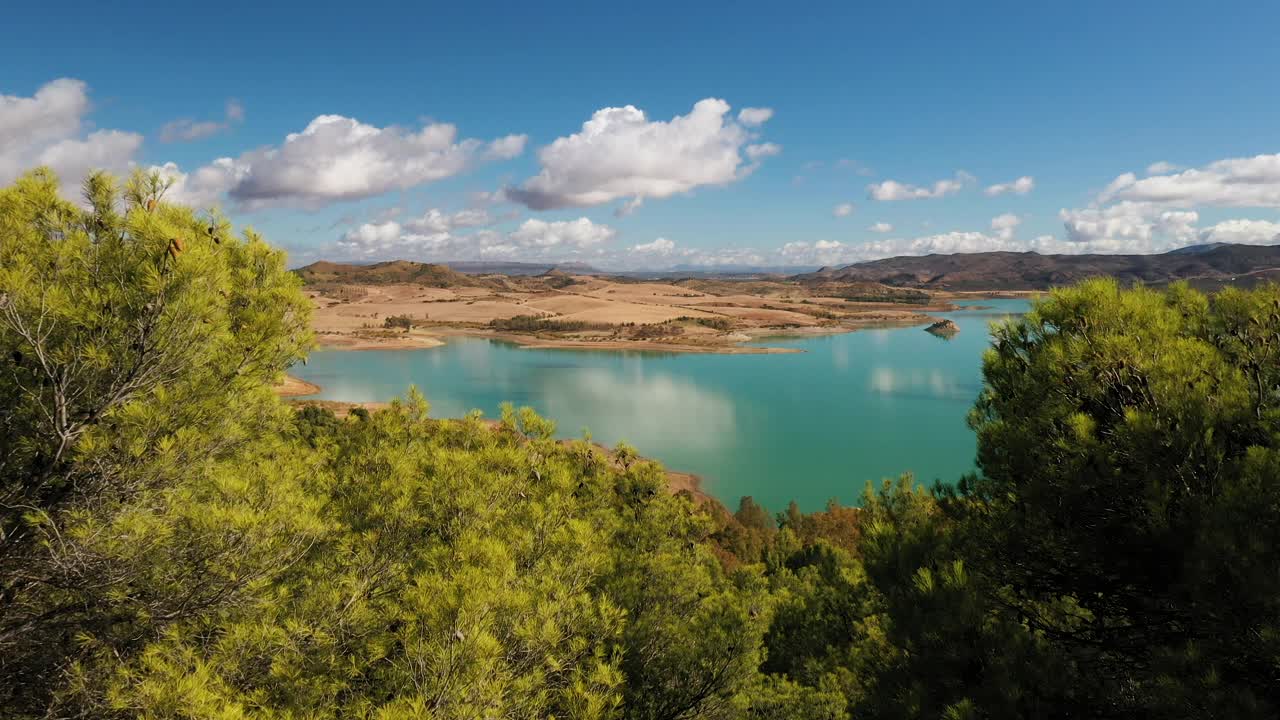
1032 271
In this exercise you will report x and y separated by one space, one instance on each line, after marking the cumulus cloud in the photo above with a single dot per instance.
1005 225
1162 167
754 117
438 235
73 159
621 153
893 190
203 187
580 233
1234 182
843 210
54 113
661 246
506 148
48 128
433 230
1246 232
1021 186
369 237
1129 227
188 129
881 227
338 158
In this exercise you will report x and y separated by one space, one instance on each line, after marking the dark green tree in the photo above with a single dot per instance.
1128 506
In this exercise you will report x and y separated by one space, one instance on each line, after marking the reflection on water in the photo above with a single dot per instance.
933 382
805 426
657 409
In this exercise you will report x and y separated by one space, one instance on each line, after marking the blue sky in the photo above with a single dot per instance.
1070 95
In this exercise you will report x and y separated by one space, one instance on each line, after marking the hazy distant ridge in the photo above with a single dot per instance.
1032 271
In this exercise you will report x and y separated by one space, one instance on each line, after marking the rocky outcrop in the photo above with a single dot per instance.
943 328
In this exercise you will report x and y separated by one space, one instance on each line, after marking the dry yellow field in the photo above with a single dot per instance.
588 311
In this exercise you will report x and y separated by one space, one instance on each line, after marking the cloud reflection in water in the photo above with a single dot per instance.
931 382
647 409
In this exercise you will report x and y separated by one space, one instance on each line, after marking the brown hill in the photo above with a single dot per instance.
1033 271
386 273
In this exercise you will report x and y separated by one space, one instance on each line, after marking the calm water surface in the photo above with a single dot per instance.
806 426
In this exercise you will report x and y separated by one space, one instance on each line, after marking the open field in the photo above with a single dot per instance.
403 304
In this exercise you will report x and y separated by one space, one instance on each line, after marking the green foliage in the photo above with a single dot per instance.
723 324
178 543
398 322
1128 499
139 343
534 323
175 542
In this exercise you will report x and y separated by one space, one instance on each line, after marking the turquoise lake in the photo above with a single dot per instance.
806 426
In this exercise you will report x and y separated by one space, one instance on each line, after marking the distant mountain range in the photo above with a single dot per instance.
1206 266
521 277
469 267
1214 264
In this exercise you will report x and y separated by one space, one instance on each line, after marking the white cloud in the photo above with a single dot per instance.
187 129
1246 232
1121 182
1129 227
380 235
436 221
580 233
73 159
54 113
1162 167
433 229
203 187
435 236
843 210
46 129
1005 225
754 117
1234 182
894 190
661 246
628 207
881 227
1001 239
506 148
620 153
338 158
763 150
471 218
1021 186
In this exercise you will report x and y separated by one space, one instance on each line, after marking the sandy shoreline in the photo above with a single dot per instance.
406 341
296 387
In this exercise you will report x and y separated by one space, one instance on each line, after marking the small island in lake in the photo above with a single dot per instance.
943 328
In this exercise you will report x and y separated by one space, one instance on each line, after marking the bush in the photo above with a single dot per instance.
535 323
401 322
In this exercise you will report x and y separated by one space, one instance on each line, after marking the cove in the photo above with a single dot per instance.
807 426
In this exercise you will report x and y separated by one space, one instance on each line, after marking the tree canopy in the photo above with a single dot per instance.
177 542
